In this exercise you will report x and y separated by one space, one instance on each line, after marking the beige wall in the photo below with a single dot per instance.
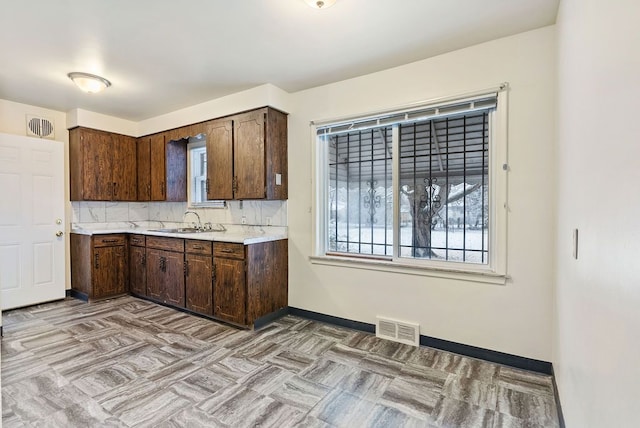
597 332
13 119
513 318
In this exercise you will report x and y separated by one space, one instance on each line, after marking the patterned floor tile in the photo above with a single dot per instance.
291 360
266 379
472 391
523 381
327 372
452 413
300 392
342 409
534 408
410 398
364 384
128 362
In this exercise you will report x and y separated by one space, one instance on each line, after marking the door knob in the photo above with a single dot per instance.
59 233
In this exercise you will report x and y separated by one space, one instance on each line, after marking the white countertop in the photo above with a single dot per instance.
240 234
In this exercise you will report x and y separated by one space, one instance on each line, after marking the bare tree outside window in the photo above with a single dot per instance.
442 186
444 180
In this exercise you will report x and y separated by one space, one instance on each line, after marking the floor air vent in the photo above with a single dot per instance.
40 127
398 331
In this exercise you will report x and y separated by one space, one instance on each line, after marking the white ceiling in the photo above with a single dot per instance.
163 55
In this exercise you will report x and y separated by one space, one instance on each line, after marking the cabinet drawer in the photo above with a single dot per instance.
137 240
169 244
228 250
108 240
198 247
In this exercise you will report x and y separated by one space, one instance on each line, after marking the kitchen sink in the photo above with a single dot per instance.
179 230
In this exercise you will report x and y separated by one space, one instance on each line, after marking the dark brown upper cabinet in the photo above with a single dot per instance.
247 156
102 166
219 134
162 168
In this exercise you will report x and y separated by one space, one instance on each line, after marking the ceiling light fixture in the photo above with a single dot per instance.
320 4
89 83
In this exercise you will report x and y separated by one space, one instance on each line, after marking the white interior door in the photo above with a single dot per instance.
32 245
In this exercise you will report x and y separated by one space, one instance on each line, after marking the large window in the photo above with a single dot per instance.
413 186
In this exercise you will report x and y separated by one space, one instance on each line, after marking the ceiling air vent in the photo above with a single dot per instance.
40 127
398 331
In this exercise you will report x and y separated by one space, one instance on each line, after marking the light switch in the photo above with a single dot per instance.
278 179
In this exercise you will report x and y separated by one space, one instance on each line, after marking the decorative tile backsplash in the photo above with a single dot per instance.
259 213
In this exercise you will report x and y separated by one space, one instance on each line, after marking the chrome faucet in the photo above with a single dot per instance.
199 226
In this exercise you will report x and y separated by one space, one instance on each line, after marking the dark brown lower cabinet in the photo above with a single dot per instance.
199 284
231 282
137 266
250 281
165 270
198 260
229 290
109 271
99 265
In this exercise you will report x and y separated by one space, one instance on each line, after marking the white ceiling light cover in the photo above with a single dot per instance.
89 83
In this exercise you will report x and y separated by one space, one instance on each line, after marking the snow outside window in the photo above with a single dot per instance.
414 186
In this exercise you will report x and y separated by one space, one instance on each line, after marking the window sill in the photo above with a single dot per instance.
208 204
411 269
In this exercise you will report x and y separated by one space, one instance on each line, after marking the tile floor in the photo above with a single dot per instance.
127 362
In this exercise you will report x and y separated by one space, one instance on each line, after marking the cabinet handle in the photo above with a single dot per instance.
235 184
144 260
213 273
162 188
207 186
163 264
109 241
185 268
115 189
198 247
226 250
148 191
96 261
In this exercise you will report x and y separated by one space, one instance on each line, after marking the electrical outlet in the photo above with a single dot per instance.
244 219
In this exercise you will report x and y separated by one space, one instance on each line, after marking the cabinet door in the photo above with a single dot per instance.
249 160
219 159
174 278
96 165
155 274
109 271
199 284
176 171
229 290
137 270
158 171
143 161
124 168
